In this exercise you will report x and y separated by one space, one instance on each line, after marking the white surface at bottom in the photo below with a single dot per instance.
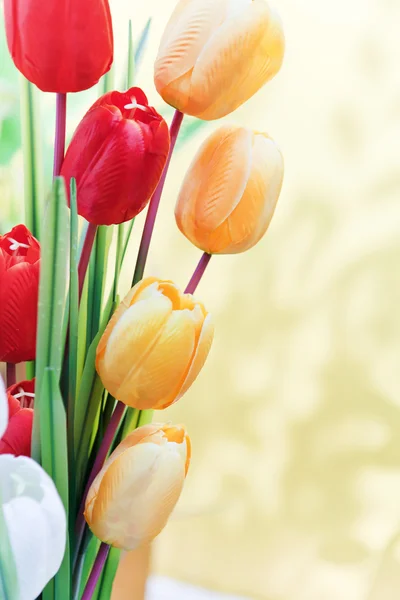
163 588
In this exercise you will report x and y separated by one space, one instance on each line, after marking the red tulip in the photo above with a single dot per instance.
60 45
17 437
19 287
117 155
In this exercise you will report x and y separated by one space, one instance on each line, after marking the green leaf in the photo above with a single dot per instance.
72 340
8 572
55 463
10 138
31 147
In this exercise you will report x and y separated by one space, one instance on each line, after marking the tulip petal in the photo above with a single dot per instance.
158 375
18 312
214 183
137 494
36 522
3 408
17 438
237 61
188 30
225 179
131 339
200 356
250 220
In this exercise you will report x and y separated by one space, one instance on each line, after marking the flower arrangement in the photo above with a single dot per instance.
84 473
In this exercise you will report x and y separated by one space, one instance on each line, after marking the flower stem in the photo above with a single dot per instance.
198 274
59 142
11 374
98 463
96 571
85 255
154 203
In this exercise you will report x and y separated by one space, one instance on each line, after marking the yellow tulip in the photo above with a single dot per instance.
229 194
132 497
154 346
216 54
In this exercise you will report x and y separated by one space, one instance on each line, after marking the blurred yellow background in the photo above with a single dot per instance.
294 490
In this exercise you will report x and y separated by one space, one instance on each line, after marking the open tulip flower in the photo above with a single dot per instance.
154 346
229 194
19 286
132 497
17 438
56 46
216 54
117 155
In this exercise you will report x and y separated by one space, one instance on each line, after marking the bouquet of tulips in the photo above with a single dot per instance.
84 474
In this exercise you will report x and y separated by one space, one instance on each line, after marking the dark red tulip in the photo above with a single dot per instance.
60 45
19 287
17 437
117 155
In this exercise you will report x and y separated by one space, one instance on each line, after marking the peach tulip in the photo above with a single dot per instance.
229 194
154 346
132 497
216 54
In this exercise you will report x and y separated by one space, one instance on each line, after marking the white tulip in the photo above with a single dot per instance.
35 520
3 407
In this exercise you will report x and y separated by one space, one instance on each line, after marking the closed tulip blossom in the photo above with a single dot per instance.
215 55
132 497
19 288
154 346
117 155
60 45
17 438
230 191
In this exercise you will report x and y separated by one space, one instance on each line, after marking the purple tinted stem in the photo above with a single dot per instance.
59 142
11 374
85 255
98 463
96 571
155 202
198 274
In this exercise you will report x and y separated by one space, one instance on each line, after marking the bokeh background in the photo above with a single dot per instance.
294 490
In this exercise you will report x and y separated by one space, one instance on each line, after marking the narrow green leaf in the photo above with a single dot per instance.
8 572
146 417
30 123
72 342
55 463
103 242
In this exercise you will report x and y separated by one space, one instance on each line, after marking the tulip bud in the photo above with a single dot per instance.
35 521
19 289
215 55
60 45
117 155
229 194
17 437
132 497
154 345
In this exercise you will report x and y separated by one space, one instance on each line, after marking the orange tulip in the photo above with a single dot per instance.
154 346
132 497
215 55
229 194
